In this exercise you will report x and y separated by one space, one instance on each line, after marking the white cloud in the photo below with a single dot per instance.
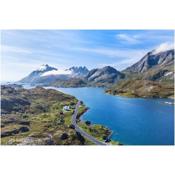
57 72
12 49
131 39
163 47
122 57
116 53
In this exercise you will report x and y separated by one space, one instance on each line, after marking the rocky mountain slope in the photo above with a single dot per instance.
36 74
74 77
79 71
104 76
154 66
150 60
142 88
72 82
47 74
152 76
154 71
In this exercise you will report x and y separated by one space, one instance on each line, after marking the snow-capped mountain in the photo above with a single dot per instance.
47 74
36 74
72 72
45 68
79 71
56 72
157 65
104 75
157 57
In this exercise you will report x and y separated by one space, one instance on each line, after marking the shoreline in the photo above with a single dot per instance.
106 129
140 97
101 87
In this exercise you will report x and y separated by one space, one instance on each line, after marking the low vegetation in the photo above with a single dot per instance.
100 132
142 88
73 82
37 117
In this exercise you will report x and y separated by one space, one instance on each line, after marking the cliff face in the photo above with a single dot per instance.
104 76
46 75
152 76
152 60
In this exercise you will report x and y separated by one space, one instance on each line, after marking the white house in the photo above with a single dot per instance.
66 108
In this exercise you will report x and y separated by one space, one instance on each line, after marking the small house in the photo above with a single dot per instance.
66 108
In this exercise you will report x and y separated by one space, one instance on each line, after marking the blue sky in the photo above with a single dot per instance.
25 50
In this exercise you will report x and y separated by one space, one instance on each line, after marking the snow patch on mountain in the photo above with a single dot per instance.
45 67
57 72
163 47
168 73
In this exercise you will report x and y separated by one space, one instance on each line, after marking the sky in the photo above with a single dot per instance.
23 51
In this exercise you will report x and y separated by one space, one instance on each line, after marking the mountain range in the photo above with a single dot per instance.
73 77
46 74
151 76
155 68
104 76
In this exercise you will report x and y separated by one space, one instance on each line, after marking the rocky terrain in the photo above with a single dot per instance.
150 60
104 77
46 75
152 76
37 117
73 82
142 88
73 77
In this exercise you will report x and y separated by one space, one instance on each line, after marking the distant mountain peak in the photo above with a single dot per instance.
78 68
104 75
46 67
46 73
79 71
151 59
109 68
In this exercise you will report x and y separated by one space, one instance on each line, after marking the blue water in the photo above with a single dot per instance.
134 121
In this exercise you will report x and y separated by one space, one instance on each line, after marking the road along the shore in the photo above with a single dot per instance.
82 132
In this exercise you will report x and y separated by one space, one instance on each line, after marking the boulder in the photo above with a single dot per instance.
9 133
88 123
23 122
64 136
23 129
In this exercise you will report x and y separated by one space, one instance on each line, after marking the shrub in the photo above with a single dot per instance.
88 123
64 136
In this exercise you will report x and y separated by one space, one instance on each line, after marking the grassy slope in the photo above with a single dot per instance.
42 112
148 84
74 82
142 88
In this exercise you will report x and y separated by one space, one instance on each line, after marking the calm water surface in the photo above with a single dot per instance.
134 121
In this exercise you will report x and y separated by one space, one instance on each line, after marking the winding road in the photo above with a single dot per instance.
82 132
